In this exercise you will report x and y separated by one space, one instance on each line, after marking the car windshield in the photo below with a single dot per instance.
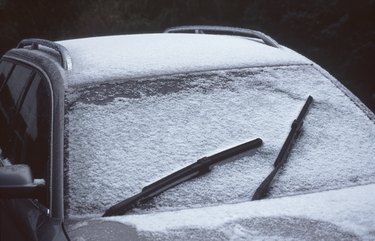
124 135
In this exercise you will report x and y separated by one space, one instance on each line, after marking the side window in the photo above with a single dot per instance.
5 68
11 92
25 120
17 82
10 95
25 113
33 127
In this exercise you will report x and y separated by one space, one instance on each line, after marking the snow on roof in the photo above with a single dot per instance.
140 55
351 209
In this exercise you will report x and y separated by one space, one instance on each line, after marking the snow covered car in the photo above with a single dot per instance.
198 133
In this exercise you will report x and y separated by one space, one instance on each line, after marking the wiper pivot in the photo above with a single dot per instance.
196 169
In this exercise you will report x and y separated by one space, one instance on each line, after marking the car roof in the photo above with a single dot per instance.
87 61
109 58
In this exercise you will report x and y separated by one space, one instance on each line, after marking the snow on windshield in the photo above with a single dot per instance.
124 136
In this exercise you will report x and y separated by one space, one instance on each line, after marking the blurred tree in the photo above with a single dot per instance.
338 34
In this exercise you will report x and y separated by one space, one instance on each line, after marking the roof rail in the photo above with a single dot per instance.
65 59
221 29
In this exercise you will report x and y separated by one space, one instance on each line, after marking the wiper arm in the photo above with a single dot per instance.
262 190
196 169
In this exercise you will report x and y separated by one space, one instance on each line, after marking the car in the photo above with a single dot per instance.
196 133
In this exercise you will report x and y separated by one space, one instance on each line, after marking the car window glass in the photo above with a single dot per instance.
25 119
33 126
5 68
10 94
18 81
30 131
28 111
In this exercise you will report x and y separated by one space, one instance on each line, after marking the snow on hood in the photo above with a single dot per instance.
131 56
351 210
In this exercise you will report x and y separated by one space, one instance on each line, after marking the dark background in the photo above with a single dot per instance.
338 35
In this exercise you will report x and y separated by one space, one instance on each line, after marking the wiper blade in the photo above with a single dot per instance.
196 169
262 191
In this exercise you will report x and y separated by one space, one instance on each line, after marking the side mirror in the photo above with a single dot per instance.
16 182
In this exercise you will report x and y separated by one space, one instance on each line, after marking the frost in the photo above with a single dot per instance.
140 133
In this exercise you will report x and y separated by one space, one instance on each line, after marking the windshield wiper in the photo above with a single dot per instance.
262 190
196 169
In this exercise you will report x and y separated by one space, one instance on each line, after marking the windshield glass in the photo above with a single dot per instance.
123 136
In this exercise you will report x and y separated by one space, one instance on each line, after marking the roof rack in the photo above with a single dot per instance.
222 30
65 59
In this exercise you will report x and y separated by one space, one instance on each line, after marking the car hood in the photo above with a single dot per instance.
345 214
